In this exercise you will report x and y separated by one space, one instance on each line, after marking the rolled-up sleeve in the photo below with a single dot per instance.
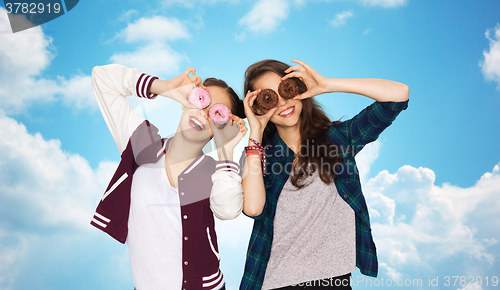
226 198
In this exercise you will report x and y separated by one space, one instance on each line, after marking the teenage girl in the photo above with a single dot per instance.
311 225
163 196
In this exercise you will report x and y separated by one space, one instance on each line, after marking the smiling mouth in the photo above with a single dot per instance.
287 112
196 124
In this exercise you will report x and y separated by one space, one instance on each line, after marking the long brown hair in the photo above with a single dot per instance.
236 103
314 126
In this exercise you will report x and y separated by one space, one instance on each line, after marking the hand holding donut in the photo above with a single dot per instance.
228 136
316 83
179 87
256 122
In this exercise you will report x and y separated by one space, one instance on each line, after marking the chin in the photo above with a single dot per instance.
195 136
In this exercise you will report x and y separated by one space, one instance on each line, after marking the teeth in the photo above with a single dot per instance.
286 112
197 122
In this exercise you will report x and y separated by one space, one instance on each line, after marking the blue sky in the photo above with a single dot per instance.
431 180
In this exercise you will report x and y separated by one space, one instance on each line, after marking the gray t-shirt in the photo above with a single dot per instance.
314 235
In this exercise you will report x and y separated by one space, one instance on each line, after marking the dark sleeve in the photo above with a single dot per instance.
366 126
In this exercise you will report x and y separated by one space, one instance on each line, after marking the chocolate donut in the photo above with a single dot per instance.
288 89
265 101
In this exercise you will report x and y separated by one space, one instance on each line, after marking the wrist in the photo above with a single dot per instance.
256 136
332 85
159 87
225 153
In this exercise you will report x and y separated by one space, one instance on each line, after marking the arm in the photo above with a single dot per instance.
112 84
391 98
377 89
226 198
254 190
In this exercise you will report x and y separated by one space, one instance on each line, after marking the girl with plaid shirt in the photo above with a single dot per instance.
300 181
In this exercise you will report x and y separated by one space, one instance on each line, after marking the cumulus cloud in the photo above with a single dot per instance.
47 198
195 3
154 29
340 18
385 3
38 179
155 59
416 222
153 55
23 57
490 66
265 16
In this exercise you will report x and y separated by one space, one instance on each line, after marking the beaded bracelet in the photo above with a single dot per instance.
257 150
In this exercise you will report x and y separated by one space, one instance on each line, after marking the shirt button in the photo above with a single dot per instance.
345 195
186 238
185 281
185 263
182 193
185 217
182 178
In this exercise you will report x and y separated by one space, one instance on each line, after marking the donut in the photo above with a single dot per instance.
265 101
288 89
200 98
219 114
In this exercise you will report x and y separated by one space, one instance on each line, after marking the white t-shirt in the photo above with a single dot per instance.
155 230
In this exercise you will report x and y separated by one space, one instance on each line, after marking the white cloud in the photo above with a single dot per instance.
490 66
265 16
23 57
153 55
39 180
340 18
385 3
127 15
154 29
47 198
155 59
195 3
472 287
418 223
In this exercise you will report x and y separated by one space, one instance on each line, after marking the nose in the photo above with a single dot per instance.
281 102
202 113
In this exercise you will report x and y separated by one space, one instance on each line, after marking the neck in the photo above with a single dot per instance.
291 136
181 150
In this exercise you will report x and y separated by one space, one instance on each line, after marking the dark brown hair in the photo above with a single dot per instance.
236 103
314 126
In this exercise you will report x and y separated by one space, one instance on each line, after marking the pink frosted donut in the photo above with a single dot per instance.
219 113
200 98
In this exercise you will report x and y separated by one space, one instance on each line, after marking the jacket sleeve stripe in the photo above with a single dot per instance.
99 223
162 149
102 217
115 185
137 86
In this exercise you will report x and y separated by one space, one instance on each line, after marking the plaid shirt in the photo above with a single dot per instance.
348 137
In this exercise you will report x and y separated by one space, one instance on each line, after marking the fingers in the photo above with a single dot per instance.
295 74
301 63
190 70
270 113
297 67
303 96
196 80
250 97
